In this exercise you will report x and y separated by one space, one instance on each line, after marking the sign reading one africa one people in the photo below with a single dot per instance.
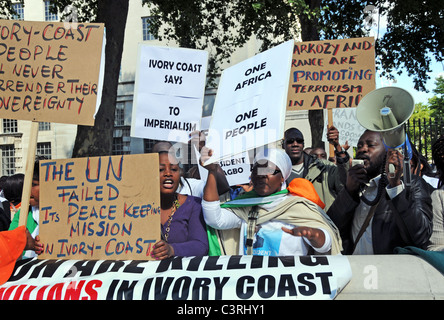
331 73
100 207
49 71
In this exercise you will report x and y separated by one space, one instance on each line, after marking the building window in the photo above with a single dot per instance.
146 21
44 149
44 126
8 159
49 16
119 119
10 126
18 11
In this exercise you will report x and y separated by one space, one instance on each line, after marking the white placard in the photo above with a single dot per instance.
250 105
237 169
168 93
237 278
344 119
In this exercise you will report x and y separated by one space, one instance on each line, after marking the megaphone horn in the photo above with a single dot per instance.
386 110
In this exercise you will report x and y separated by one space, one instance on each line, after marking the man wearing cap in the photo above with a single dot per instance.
327 178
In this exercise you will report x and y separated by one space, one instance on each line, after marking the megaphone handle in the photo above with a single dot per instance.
391 170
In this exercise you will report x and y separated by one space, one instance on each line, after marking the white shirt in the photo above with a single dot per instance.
270 240
365 244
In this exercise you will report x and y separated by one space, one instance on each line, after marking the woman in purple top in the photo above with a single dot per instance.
183 227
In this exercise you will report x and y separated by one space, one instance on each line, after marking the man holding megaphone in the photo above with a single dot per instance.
380 207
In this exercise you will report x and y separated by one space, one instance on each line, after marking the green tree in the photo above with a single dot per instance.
414 30
436 103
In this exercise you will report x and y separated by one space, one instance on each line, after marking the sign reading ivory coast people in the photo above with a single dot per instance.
49 72
181 278
249 110
100 207
168 94
331 73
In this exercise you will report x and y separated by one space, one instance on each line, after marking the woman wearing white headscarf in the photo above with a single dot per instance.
268 218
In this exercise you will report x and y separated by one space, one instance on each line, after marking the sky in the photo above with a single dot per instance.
403 81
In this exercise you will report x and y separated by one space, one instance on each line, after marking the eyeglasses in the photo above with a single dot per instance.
292 140
263 171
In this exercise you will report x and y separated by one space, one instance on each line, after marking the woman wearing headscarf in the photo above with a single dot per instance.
270 220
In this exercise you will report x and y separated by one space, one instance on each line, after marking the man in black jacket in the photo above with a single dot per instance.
375 212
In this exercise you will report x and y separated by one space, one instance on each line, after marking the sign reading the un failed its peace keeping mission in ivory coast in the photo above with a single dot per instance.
100 207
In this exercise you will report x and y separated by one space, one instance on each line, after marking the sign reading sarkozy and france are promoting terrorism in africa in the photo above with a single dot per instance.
331 74
169 91
249 111
50 71
100 207
179 278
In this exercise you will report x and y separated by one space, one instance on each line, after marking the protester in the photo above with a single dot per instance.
5 215
183 228
13 189
12 245
193 185
420 166
32 222
437 238
375 212
327 178
319 153
268 217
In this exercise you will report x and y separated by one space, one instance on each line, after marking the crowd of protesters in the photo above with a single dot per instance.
297 203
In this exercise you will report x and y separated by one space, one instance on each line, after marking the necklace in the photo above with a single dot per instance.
174 208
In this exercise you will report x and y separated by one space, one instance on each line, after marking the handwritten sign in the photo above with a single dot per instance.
249 110
50 72
100 208
331 74
169 91
348 126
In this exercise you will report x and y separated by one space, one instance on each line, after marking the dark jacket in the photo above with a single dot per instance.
398 222
327 178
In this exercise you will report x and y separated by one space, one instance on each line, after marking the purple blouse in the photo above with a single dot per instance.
188 234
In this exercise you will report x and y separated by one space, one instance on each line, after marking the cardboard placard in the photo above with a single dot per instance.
100 208
49 71
168 93
249 111
331 73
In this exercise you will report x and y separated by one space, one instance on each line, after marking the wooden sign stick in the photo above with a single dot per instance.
330 123
29 171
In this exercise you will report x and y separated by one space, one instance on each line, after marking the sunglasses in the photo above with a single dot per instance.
263 171
292 140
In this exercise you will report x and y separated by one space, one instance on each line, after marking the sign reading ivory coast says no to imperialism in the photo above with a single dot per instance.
100 207
49 71
169 91
331 73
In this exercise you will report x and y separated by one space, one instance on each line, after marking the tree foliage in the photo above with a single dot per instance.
436 103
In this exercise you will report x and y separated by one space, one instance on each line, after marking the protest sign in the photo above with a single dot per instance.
237 170
181 278
50 72
100 207
168 93
331 73
249 110
348 126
